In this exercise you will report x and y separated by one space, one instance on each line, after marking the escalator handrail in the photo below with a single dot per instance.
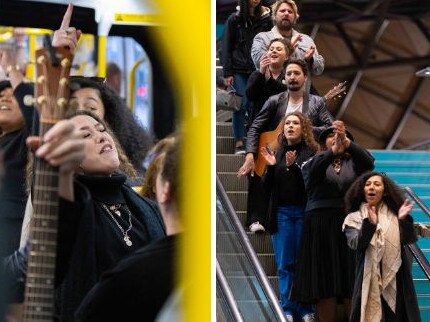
249 251
414 248
418 201
232 305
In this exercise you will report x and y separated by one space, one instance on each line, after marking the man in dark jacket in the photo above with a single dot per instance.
275 108
240 30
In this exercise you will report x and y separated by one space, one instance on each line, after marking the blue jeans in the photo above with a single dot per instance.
239 84
286 244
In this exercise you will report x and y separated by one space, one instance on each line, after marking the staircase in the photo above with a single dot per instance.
407 168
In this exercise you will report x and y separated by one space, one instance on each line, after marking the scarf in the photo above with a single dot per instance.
381 262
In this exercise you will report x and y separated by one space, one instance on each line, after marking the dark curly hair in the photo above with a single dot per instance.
134 139
307 133
393 196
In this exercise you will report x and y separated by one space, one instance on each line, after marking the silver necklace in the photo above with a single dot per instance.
126 238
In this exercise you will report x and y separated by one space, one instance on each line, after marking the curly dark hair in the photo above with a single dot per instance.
134 139
393 196
307 133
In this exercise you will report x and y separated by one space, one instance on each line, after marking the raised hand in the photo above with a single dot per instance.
61 146
295 40
228 81
248 166
269 156
309 53
66 36
373 214
264 66
405 209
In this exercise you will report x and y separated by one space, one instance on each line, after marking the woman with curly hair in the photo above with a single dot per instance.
377 227
284 184
101 218
92 94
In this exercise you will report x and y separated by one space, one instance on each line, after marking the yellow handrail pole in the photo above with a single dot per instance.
30 72
132 82
102 42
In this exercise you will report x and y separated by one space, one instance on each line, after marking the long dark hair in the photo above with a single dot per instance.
134 139
244 10
393 196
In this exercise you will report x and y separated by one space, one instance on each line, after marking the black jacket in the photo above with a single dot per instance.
324 187
258 90
274 110
285 184
237 42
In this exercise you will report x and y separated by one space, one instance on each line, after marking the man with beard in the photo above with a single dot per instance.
285 15
277 106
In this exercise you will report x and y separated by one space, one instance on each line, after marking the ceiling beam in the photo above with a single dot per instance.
347 40
378 29
408 110
421 61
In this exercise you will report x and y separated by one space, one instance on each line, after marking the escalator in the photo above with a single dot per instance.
243 273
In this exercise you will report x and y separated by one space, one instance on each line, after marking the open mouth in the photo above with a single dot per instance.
4 108
106 148
290 131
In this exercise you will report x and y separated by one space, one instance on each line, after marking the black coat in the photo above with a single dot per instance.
237 42
406 305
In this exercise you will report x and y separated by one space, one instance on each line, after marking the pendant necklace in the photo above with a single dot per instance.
115 210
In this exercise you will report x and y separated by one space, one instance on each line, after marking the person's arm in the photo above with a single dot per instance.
363 160
227 48
317 166
407 231
316 61
359 239
320 116
260 123
255 85
259 48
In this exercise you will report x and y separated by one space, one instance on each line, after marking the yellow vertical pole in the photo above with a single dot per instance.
102 41
187 51
30 72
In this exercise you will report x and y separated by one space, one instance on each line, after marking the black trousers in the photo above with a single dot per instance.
257 203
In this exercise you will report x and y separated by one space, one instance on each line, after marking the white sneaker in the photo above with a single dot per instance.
256 227
309 318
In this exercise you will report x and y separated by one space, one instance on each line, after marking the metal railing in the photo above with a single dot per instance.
249 252
228 294
415 250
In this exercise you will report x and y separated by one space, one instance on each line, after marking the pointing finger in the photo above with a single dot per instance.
67 17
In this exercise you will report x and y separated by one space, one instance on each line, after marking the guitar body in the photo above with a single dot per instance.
269 139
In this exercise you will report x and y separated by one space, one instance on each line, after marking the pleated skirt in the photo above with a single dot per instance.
326 264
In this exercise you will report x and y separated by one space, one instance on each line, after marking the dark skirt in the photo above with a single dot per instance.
326 264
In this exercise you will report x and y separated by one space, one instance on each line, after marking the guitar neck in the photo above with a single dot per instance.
39 291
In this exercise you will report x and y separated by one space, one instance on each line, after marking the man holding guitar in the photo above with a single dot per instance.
277 106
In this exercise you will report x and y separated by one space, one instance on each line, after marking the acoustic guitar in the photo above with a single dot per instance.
52 93
269 140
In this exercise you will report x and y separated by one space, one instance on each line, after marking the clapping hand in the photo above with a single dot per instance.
290 157
264 66
405 209
309 53
373 214
268 155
